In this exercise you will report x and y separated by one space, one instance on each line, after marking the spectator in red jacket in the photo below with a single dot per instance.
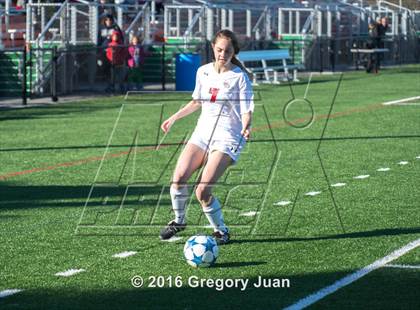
116 54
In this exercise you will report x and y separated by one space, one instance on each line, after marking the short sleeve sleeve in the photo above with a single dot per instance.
246 94
196 95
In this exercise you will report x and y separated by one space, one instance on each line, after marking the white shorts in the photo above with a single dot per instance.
228 145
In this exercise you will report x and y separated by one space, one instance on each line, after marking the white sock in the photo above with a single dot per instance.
179 198
214 215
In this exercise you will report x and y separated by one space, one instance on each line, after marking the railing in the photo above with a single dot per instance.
40 39
355 7
42 72
296 13
255 29
77 21
198 15
143 12
308 24
179 9
390 4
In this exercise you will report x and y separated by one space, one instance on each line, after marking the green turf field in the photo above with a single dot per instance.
83 181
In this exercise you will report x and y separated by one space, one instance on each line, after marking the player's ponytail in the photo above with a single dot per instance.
225 33
236 62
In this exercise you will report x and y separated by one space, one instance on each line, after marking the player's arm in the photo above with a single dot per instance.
189 108
246 125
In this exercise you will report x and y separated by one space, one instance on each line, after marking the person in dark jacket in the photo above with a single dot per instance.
371 44
382 30
106 30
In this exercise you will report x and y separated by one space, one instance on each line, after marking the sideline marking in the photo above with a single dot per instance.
69 273
9 292
338 184
313 298
250 213
172 239
312 193
361 177
124 254
403 162
282 203
400 100
383 169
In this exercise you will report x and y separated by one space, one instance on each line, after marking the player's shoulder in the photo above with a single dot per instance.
205 70
238 72
240 75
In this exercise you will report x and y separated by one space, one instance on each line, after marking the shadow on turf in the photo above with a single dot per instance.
383 289
239 264
50 112
9 217
80 147
25 197
357 234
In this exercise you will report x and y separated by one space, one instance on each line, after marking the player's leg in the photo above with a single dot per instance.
192 158
215 167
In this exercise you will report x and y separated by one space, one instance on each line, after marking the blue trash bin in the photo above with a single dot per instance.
186 67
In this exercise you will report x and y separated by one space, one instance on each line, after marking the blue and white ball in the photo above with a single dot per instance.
201 251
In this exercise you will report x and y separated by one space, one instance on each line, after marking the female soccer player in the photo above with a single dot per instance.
223 91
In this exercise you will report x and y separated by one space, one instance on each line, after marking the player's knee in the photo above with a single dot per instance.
178 182
203 193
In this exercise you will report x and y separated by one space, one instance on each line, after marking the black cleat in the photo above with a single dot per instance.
171 230
221 238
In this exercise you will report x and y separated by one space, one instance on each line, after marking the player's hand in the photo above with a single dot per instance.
246 133
166 125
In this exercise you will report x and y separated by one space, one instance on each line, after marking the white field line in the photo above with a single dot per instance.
124 254
282 203
250 213
69 273
403 162
361 177
9 292
383 169
400 100
307 86
313 298
173 239
314 193
338 184
402 266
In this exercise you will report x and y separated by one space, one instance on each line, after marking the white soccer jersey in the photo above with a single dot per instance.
224 98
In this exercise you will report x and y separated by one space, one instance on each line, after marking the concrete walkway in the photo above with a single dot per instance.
16 103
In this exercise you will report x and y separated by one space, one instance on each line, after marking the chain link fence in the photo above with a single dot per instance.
88 69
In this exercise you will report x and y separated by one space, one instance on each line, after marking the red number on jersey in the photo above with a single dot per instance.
213 92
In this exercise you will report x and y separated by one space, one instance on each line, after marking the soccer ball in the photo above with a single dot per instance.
201 251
